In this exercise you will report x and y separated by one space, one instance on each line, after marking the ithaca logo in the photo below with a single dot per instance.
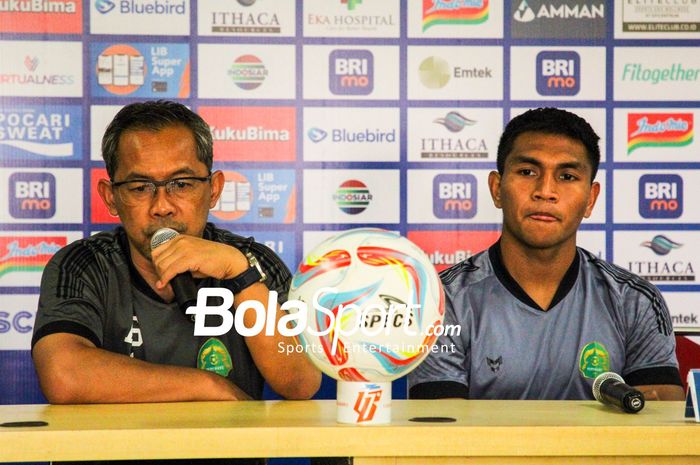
454 147
366 403
661 245
104 6
248 72
558 73
352 197
672 269
454 196
245 22
660 196
32 195
317 135
658 130
525 14
351 72
454 12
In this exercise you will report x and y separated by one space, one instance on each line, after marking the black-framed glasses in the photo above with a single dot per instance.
139 191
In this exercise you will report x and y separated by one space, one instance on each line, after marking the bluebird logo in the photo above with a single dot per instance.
32 195
316 135
351 72
558 73
104 6
661 245
454 196
660 196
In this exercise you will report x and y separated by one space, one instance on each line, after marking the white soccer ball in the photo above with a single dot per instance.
373 302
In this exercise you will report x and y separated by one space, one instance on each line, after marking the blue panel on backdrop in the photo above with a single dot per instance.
18 383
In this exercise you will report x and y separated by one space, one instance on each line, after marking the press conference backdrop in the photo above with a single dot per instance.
333 114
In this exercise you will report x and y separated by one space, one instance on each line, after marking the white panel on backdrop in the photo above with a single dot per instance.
660 196
557 73
351 134
100 117
450 196
144 17
661 257
246 71
17 315
594 116
455 73
41 195
657 73
246 19
592 241
32 68
654 20
351 196
453 134
656 135
684 308
24 254
457 20
351 72
352 18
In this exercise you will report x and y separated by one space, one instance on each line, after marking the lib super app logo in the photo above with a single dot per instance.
454 196
558 73
660 196
351 72
32 195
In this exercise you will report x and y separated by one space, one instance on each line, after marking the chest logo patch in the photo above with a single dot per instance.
213 356
594 360
495 363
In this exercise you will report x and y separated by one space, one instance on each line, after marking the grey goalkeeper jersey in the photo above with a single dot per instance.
602 318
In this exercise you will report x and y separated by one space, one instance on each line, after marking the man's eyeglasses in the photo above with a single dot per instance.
139 190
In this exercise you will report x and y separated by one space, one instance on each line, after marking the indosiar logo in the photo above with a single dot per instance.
558 73
660 196
351 72
454 196
32 195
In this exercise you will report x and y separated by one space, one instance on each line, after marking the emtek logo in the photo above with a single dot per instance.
32 195
351 72
454 196
558 73
104 6
660 196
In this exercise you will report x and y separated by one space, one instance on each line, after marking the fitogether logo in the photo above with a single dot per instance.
454 13
32 195
454 121
558 73
454 196
658 130
248 72
351 72
352 197
661 245
434 72
660 196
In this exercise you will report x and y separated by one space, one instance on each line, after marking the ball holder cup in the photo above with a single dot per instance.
364 403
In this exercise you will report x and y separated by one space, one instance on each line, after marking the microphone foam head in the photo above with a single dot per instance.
161 236
602 378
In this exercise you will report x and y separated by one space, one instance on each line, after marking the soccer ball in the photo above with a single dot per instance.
373 302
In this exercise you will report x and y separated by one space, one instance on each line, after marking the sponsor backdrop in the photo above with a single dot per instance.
333 114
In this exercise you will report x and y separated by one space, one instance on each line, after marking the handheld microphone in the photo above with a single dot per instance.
182 284
609 388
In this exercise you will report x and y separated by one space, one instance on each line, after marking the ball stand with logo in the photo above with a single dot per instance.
373 303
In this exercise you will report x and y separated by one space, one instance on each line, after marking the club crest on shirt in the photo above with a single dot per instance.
213 356
495 363
594 360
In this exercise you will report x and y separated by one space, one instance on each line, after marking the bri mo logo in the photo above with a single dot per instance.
32 195
351 72
558 73
660 196
454 196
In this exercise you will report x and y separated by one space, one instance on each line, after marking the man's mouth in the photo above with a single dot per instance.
543 216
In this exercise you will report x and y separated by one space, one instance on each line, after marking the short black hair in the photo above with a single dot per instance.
155 115
550 121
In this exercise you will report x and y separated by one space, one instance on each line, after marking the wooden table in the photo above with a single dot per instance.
490 432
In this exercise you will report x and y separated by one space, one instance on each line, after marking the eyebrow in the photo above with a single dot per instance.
533 161
139 176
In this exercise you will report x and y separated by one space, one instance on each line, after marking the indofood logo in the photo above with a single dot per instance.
526 14
28 254
658 130
454 147
434 73
457 12
671 270
674 73
352 197
248 72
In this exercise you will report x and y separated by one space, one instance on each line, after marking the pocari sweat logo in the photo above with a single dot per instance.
32 195
661 196
558 73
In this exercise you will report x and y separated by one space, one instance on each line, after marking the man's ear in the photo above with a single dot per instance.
495 188
104 188
217 186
